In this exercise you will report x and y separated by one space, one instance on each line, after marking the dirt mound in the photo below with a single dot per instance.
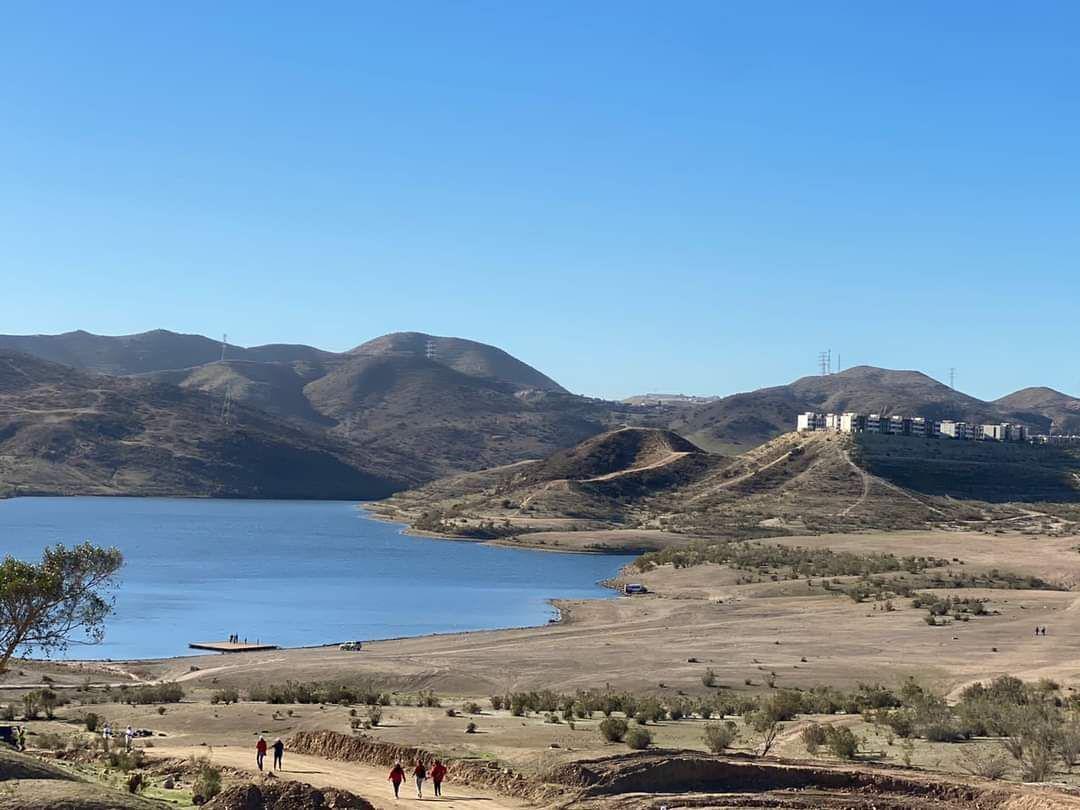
14 765
610 453
478 773
285 796
635 780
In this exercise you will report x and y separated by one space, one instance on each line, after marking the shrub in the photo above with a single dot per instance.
613 729
497 702
471 708
161 693
470 728
705 711
984 762
708 678
125 760
451 712
719 736
225 696
374 714
638 738
207 782
51 741
91 720
677 711
813 737
427 698
7 712
841 741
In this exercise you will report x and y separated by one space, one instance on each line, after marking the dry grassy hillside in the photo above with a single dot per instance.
650 479
66 432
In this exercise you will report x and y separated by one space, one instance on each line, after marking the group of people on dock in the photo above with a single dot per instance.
420 773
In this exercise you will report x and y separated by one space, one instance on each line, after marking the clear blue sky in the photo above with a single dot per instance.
689 197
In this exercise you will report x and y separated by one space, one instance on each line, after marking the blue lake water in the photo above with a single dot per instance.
291 573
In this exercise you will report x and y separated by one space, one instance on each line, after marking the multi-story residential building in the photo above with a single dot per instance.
917 426
811 421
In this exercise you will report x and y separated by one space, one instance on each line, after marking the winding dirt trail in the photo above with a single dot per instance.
366 781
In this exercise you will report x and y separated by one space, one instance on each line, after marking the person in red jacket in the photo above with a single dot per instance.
397 776
260 751
438 773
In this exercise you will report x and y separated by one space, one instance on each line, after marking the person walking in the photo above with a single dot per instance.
397 776
279 752
260 751
438 773
129 738
106 736
20 737
420 773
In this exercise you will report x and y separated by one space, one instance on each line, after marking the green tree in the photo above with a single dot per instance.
43 606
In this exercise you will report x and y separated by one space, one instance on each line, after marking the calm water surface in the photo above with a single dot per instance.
291 572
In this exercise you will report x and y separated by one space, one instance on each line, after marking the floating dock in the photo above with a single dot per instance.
230 646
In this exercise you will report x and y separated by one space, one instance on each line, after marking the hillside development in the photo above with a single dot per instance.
642 479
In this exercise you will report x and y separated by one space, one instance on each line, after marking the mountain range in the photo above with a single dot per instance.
167 413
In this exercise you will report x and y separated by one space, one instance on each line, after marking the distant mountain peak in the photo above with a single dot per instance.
466 356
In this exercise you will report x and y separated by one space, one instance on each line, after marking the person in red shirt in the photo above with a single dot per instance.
438 773
397 776
260 751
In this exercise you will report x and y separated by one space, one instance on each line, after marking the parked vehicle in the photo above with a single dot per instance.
632 588
350 646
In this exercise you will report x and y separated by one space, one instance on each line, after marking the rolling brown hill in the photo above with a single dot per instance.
437 405
745 420
465 356
1030 404
64 431
157 350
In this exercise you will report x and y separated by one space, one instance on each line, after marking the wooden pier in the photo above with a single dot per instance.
230 646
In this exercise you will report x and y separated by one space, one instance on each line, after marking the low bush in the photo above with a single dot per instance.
613 729
813 737
153 693
91 720
841 742
225 696
207 782
720 736
638 738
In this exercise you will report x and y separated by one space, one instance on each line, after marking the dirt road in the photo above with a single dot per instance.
364 780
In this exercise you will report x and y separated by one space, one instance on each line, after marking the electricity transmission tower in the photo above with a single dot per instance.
224 345
825 362
430 350
952 378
